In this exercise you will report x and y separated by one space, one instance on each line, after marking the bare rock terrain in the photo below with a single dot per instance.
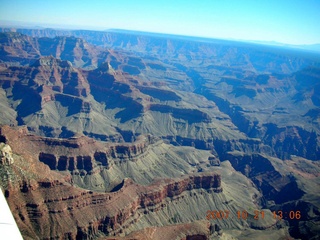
128 135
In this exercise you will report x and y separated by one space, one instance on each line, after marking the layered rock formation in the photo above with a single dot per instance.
18 49
85 214
62 97
97 126
40 197
97 154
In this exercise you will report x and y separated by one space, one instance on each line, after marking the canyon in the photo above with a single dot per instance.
126 135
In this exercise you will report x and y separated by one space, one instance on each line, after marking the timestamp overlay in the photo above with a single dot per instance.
255 214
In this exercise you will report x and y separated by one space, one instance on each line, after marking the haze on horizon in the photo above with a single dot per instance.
285 21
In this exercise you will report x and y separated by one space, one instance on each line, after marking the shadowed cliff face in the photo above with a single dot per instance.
190 115
65 163
275 186
162 95
97 154
292 141
146 130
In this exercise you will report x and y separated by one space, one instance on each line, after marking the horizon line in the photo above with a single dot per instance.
37 26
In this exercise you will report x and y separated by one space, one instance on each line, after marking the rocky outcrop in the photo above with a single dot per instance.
97 154
51 62
60 76
5 154
214 161
190 115
79 155
18 48
175 188
249 146
161 94
64 163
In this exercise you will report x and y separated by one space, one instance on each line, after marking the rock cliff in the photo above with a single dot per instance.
84 214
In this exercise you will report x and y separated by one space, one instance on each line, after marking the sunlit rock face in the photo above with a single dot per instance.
5 154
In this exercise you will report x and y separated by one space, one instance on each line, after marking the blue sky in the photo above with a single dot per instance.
286 21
